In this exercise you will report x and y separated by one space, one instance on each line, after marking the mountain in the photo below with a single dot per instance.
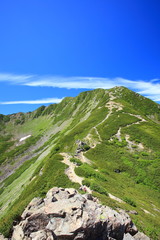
107 140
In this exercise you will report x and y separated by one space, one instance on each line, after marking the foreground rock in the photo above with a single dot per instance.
66 214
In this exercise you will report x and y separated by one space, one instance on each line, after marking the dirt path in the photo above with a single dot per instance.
82 158
74 178
70 171
118 135
131 144
93 143
138 116
110 105
115 198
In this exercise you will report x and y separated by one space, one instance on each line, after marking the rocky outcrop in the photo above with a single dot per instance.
67 215
2 238
81 146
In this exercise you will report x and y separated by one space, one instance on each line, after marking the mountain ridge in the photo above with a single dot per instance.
116 129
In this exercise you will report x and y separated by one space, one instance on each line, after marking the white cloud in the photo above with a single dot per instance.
150 88
40 101
7 77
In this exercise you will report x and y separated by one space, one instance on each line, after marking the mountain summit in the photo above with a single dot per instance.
104 142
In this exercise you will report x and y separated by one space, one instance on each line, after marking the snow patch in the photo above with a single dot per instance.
24 138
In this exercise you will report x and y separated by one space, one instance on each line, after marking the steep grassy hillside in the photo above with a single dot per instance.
107 140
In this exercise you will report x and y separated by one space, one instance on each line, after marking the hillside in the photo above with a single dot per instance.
107 140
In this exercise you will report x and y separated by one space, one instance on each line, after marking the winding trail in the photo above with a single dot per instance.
130 143
70 171
115 198
100 139
118 135
110 105
82 158
74 178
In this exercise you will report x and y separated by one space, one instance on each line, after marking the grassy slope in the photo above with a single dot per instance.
74 118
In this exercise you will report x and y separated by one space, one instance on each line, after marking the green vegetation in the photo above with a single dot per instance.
147 133
19 171
39 111
49 110
5 143
20 119
131 174
85 170
112 124
9 155
141 104
98 188
135 184
4 118
130 201
76 161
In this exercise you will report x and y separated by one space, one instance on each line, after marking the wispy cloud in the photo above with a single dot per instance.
40 101
149 88
15 79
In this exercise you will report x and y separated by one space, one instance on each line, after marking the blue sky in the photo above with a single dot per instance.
52 49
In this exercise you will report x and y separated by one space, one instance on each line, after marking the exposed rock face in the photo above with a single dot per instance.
66 214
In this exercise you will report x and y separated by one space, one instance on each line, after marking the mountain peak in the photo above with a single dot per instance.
105 140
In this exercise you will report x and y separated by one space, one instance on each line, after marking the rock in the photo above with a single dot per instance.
36 222
2 238
130 226
132 212
35 205
18 233
127 236
89 197
42 235
81 147
141 236
67 215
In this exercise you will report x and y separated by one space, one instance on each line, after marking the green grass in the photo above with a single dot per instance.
137 102
110 127
138 182
147 133
19 180
30 126
125 185
16 151
19 171
76 161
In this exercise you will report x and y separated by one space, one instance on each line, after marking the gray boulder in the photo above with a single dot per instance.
141 236
67 215
128 236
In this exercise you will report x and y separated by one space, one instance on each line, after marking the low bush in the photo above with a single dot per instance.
98 188
86 182
130 201
76 161
145 154
86 147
